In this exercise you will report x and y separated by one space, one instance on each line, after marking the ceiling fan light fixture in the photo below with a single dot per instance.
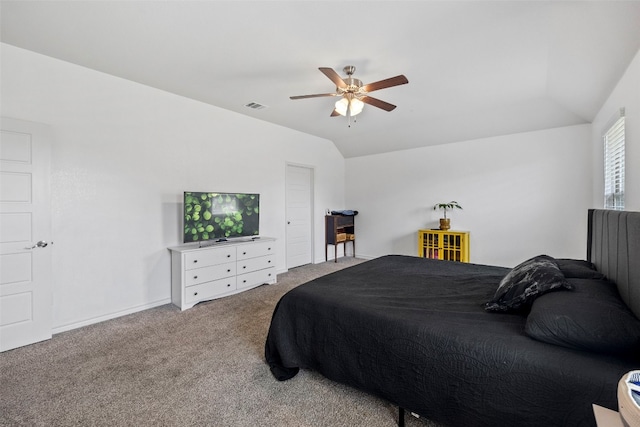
343 104
356 106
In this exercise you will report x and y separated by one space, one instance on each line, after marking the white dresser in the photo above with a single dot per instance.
219 270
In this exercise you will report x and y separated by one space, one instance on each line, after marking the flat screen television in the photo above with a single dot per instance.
220 216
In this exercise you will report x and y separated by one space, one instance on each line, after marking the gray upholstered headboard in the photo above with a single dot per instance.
613 245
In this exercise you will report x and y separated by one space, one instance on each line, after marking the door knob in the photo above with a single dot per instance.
40 244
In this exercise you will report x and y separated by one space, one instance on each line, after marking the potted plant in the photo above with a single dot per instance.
445 223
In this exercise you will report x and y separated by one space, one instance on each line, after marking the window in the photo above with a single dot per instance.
614 163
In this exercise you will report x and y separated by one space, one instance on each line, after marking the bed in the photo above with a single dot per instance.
419 333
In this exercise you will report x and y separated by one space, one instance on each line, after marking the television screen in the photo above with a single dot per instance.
219 216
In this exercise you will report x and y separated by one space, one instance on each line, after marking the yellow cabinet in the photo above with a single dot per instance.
445 245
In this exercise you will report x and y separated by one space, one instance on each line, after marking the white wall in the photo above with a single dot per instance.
626 94
522 195
123 153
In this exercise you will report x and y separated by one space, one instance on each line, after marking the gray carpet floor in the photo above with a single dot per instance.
163 367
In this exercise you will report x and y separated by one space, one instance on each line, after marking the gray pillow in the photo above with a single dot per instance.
593 317
525 282
578 269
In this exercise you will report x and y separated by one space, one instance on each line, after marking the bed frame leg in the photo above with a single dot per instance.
400 416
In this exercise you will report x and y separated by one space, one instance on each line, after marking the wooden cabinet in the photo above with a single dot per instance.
445 245
219 270
339 229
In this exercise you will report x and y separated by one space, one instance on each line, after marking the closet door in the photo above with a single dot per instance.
25 234
299 194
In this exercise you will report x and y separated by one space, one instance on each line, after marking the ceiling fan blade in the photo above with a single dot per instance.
333 76
334 113
383 84
317 95
377 103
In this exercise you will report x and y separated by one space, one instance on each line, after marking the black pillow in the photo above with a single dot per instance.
593 317
525 282
578 269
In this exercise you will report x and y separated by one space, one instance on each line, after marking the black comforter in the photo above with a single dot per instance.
414 331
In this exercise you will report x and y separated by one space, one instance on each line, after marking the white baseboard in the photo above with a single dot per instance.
109 316
87 322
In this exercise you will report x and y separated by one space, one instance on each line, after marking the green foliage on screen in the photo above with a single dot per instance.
210 216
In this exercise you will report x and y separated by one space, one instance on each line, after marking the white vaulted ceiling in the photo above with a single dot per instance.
475 68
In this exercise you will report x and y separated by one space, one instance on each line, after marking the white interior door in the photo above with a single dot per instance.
25 234
299 182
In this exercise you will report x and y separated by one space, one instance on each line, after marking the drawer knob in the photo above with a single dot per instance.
195 293
228 285
244 281
195 260
228 270
229 256
269 262
244 266
195 277
244 253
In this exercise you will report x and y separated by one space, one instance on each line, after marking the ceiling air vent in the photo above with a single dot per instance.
255 106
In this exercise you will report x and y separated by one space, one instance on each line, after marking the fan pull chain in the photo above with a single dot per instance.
355 119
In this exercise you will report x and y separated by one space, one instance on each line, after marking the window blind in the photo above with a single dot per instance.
614 164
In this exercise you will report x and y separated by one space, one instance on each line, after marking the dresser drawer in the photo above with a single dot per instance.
253 264
256 278
207 274
256 249
210 272
208 290
209 257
